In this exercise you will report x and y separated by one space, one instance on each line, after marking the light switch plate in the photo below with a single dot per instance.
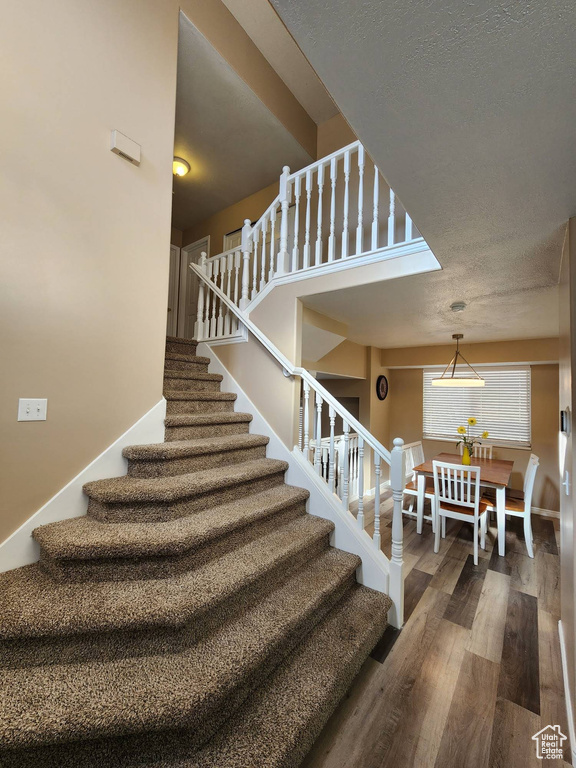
32 409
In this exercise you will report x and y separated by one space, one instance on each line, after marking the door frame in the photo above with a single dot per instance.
181 325
173 291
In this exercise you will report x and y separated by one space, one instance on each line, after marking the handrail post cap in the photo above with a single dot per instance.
398 442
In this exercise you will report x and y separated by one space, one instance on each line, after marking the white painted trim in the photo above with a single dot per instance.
21 549
386 253
569 713
182 280
375 569
237 338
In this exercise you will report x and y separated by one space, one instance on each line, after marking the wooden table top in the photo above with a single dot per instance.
492 471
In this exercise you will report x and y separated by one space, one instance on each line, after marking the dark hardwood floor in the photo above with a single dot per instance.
475 672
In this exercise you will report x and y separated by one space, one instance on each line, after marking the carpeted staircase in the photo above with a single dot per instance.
196 617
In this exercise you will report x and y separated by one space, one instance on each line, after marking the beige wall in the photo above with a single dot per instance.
522 351
332 135
230 219
405 403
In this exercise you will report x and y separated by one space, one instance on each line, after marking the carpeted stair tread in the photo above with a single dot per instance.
182 448
34 605
194 689
198 359
199 375
192 394
297 700
178 340
166 489
86 538
197 419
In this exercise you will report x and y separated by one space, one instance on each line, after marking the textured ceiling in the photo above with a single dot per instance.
261 23
467 110
234 144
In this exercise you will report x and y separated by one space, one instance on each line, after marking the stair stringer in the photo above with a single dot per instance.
374 571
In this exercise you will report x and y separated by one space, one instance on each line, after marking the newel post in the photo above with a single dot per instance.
397 478
199 325
246 249
283 265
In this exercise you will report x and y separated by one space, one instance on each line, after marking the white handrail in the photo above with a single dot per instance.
325 160
293 370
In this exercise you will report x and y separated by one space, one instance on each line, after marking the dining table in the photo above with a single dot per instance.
494 473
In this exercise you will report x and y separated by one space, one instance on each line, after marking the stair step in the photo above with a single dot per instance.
190 401
181 346
175 362
189 426
193 381
195 689
180 457
132 499
44 622
85 547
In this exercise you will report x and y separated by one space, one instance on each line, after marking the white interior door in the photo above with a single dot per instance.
188 289
173 282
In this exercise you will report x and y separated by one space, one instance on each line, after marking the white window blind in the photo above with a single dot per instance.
502 407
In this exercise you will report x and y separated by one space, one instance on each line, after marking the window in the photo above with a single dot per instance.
502 407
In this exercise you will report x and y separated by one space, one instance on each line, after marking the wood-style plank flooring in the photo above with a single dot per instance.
476 670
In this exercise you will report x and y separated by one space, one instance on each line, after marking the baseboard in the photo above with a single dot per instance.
546 512
21 549
374 571
383 488
567 697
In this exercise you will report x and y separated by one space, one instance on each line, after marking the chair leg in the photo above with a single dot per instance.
437 536
475 542
528 534
433 513
483 525
443 526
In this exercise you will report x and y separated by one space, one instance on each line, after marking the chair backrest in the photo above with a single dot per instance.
529 478
457 484
414 456
481 450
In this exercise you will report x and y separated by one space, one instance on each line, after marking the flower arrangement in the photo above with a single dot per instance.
468 440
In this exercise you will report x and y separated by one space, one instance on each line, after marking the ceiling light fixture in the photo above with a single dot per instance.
180 167
450 379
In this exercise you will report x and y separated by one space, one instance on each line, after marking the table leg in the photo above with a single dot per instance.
501 517
420 503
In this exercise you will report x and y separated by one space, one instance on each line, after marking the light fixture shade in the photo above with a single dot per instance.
180 167
449 379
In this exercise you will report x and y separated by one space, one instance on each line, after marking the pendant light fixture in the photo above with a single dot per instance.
449 378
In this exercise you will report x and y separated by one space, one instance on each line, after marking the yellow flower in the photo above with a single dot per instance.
485 435
461 430
472 421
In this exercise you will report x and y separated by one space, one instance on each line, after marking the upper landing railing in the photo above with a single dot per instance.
335 210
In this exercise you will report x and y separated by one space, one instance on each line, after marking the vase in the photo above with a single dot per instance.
465 455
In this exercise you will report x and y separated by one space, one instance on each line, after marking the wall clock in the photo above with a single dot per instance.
382 387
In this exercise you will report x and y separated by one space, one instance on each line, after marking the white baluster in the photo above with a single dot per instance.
331 236
246 248
306 258
272 249
346 466
255 238
332 452
318 435
283 265
346 204
391 219
295 253
408 228
375 211
360 227
229 293
300 427
318 255
377 472
361 482
199 326
213 319
222 274
306 388
264 238
396 562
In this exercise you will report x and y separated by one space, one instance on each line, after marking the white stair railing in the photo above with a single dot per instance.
325 215
358 450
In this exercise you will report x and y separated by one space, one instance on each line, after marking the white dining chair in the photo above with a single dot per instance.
414 453
519 503
457 494
481 451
